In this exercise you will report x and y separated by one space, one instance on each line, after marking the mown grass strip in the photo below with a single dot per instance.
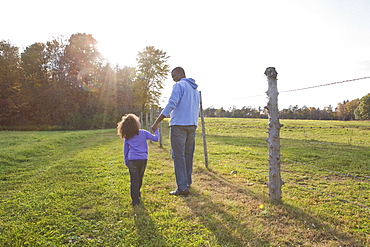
72 188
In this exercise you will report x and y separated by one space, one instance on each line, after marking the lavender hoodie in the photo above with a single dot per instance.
136 148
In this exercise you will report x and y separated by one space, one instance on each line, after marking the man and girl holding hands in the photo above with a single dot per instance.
183 105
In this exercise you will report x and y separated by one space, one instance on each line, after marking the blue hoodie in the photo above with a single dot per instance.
183 104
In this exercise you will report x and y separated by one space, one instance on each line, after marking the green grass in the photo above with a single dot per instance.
71 188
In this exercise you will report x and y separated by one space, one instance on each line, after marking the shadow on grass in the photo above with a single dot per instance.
147 231
216 217
221 217
323 233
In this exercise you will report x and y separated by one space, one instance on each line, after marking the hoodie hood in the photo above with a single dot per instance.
183 104
191 81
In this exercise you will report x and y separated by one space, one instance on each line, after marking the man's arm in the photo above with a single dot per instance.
157 121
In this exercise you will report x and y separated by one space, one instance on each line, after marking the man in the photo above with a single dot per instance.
183 105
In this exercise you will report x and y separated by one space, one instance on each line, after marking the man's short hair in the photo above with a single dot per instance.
179 70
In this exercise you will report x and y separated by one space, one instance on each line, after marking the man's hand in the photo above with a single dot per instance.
155 125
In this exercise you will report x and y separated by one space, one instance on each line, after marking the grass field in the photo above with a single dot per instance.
71 188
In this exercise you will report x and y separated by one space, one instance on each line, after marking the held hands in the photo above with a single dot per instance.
154 127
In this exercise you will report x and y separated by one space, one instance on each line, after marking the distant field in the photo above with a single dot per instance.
72 188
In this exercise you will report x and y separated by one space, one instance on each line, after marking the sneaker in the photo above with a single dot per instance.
135 203
178 192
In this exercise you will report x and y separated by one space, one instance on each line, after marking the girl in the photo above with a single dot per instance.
135 151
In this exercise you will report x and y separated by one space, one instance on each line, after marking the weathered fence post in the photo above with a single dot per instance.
146 120
203 131
160 135
273 139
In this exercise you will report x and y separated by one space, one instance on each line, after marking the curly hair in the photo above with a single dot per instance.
129 126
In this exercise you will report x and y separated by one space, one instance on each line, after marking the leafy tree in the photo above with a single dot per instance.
350 108
82 58
220 112
237 113
35 83
326 113
345 110
362 111
210 112
108 98
54 53
10 94
340 112
152 70
125 91
59 87
33 62
83 62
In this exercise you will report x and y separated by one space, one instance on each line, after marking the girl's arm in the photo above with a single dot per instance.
126 149
154 137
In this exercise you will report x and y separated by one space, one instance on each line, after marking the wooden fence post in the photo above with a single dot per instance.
146 120
203 131
273 139
160 135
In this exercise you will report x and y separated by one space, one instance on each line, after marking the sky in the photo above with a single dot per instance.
224 45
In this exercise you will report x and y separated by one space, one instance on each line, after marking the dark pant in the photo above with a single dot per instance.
137 169
183 145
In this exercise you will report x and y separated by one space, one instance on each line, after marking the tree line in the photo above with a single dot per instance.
67 84
357 109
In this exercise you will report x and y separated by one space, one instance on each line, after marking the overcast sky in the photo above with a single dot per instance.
224 45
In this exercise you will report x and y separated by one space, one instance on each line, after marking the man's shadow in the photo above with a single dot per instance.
147 232
224 225
228 230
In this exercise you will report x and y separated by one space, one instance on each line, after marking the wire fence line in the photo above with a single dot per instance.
329 127
306 88
324 85
296 127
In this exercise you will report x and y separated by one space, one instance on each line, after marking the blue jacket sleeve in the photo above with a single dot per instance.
126 149
174 99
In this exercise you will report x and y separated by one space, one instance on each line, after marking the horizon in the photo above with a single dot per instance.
226 49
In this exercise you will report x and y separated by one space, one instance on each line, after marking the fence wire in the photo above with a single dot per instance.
324 85
305 88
